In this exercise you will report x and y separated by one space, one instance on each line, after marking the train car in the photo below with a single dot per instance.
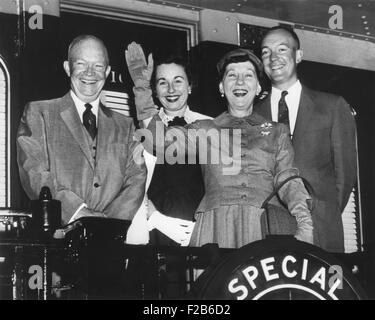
339 57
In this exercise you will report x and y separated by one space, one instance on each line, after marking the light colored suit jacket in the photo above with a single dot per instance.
52 151
325 154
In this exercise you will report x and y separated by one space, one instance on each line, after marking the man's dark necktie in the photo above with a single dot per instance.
177 121
89 121
283 110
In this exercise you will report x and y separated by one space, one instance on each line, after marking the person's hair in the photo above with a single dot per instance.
237 59
239 55
77 40
287 29
176 59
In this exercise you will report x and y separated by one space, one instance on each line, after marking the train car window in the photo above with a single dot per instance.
117 30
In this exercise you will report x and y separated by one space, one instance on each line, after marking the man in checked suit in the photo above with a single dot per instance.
84 152
322 130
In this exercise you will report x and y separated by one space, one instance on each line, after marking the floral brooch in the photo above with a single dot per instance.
265 128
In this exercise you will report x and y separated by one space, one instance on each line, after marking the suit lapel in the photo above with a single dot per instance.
70 116
263 108
106 132
304 117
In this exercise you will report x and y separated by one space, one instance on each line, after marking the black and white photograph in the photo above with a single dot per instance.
187 150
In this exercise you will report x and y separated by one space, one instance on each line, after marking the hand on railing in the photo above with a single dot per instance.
178 230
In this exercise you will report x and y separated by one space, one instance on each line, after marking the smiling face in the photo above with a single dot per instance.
280 57
172 88
240 85
88 69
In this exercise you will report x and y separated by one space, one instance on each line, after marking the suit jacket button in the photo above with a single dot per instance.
96 185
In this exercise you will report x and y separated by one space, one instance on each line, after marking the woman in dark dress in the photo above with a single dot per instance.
175 190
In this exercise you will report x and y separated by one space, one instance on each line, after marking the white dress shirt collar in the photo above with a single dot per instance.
188 116
292 100
80 105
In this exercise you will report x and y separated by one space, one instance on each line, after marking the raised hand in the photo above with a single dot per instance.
140 71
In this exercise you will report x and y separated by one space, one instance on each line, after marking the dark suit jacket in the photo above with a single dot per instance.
52 151
325 153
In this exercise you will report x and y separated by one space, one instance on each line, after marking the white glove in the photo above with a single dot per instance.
138 230
305 235
140 70
304 224
178 230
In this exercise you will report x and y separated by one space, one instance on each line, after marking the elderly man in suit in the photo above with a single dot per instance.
84 152
322 129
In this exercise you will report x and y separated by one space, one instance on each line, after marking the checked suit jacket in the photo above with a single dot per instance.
53 151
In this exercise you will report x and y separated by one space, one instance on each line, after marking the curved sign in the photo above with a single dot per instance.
278 268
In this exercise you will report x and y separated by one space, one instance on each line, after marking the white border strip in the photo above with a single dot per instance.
8 155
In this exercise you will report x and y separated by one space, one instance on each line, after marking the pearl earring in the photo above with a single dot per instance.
222 94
